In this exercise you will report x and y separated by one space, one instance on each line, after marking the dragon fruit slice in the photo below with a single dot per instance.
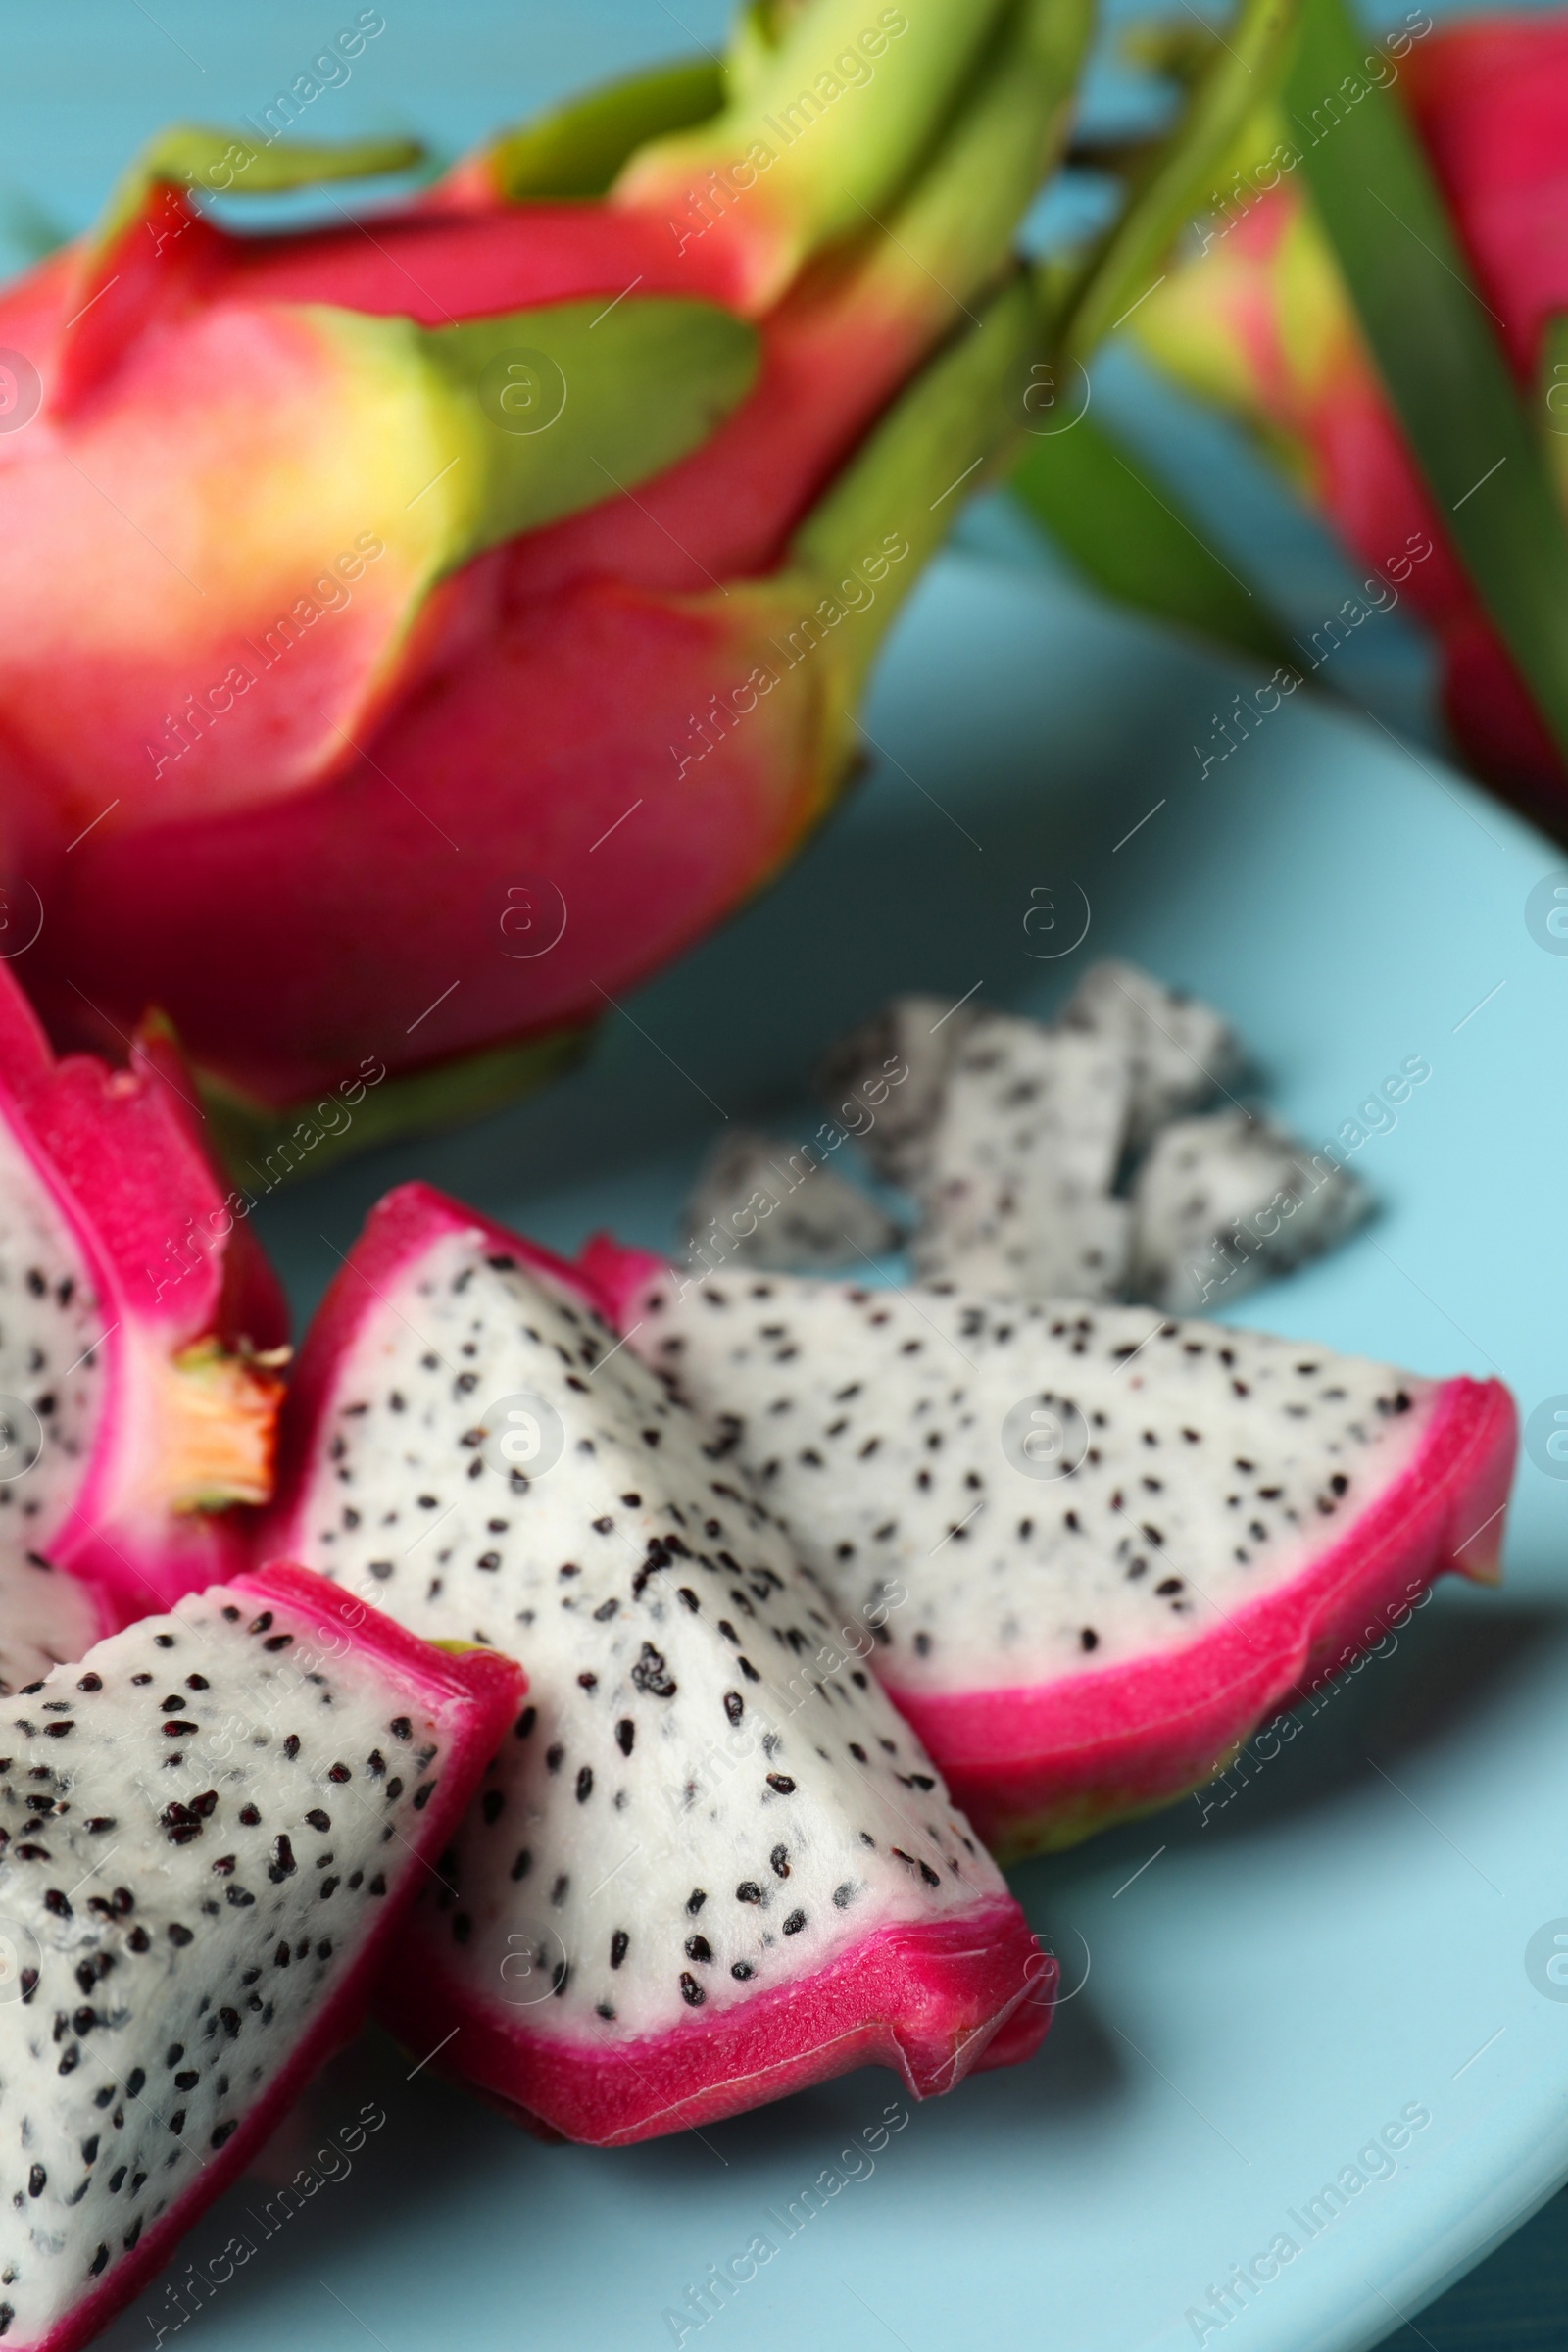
894 1065
714 1865
209 1825
1017 1193
1125 1541
133 1404
1180 1051
1224 1201
772 1204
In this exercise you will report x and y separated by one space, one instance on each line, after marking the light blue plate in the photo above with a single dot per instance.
1274 1974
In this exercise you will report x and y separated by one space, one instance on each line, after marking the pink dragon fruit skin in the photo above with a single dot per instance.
934 1997
167 1308
1041 1764
306 856
464 1702
1261 324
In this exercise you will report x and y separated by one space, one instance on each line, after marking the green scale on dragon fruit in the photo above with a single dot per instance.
711 1864
208 1826
1125 1541
134 1406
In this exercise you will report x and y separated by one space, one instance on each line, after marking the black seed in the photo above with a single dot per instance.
691 1993
585 1783
339 1772
781 1782
37 2181
780 1859
402 1729
794 1923
282 1864
698 1947
178 1935
522 1865
491 1804
620 1946
749 1891
625 1733
651 1674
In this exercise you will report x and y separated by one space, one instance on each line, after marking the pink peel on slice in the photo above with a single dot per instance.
186 1301
932 2000
1068 1756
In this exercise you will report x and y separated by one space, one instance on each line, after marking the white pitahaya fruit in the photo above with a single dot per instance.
1224 1201
137 1393
1018 1188
777 1205
208 1827
1180 1051
711 1864
895 1066
1125 1541
1022 1142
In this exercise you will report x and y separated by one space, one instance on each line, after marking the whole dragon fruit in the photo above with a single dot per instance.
209 1826
1261 323
1122 1540
480 603
139 1389
711 1865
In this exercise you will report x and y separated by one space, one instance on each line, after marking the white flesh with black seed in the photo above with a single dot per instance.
706 1796
1222 1203
919 1036
199 1826
1212 1464
50 1329
1017 1194
770 1204
1180 1051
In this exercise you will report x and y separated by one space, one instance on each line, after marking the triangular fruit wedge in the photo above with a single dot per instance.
135 1409
710 1864
208 1827
1105 1545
